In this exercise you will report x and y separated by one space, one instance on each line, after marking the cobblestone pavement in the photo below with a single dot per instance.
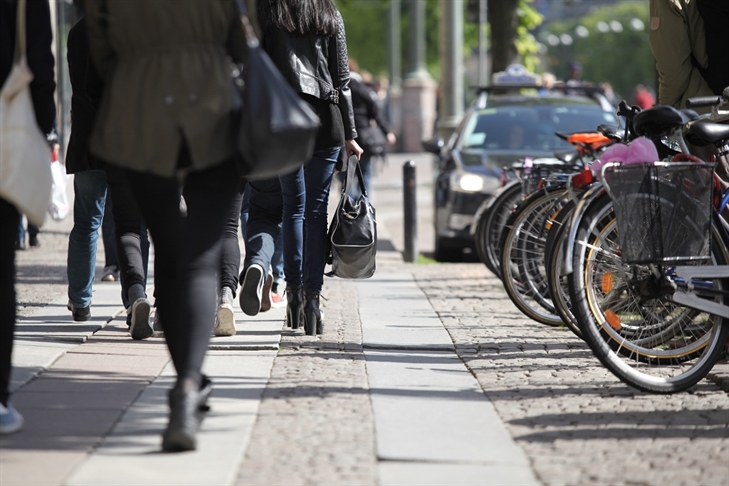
576 422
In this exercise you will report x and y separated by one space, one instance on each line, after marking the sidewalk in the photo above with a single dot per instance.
425 374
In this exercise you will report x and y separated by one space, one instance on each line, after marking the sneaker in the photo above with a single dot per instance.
278 300
33 240
157 324
225 319
251 290
111 274
79 314
10 419
20 245
140 327
266 294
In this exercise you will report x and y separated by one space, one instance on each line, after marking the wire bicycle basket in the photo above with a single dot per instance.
663 210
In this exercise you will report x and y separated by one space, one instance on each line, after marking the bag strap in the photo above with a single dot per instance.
248 30
352 169
20 39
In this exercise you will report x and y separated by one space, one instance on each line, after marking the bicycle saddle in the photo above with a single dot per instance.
704 132
660 120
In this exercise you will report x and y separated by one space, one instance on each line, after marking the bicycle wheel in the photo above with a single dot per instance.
554 265
522 258
502 208
626 315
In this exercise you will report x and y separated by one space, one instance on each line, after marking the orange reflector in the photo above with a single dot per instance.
613 319
607 282
582 179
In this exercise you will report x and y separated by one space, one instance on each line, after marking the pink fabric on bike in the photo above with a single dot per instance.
636 152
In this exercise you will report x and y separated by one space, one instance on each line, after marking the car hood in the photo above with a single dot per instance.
491 162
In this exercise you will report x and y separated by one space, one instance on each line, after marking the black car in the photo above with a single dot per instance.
497 131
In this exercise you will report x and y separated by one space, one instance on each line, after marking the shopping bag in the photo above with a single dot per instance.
352 235
25 157
276 129
58 208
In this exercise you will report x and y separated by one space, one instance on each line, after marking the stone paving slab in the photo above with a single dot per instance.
131 455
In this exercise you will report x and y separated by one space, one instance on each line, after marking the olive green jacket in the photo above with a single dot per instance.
166 66
677 32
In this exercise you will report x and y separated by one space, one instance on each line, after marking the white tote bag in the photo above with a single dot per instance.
25 157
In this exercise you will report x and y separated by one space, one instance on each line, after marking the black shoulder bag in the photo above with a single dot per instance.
353 232
275 128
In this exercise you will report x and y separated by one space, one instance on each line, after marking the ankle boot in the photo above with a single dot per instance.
313 314
295 306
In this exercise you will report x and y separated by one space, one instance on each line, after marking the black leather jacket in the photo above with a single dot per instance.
315 66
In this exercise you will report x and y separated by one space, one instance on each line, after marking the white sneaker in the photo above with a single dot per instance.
10 419
225 318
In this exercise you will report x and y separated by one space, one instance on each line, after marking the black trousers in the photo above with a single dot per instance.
230 252
132 244
9 219
187 255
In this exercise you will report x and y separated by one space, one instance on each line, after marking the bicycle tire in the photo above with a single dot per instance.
668 348
522 258
502 208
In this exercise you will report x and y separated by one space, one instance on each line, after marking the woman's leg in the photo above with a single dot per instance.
9 218
318 174
293 192
230 252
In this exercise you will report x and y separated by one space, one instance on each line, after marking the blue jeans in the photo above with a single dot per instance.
305 199
88 212
263 223
108 234
268 206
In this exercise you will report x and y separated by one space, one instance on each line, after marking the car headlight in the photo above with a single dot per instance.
468 182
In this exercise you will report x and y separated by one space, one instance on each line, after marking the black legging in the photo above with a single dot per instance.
230 252
187 255
9 218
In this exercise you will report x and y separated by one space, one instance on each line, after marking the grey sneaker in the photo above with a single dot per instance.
225 318
10 419
251 290
110 274
140 327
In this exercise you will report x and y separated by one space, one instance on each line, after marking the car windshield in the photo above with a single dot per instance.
531 127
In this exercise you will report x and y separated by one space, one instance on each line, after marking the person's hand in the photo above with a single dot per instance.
391 139
353 148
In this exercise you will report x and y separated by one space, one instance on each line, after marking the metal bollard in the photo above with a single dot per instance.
410 213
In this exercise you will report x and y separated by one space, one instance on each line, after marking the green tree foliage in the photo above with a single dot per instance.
622 59
366 22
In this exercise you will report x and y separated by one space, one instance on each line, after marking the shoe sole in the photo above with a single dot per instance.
266 303
108 278
140 328
250 292
225 323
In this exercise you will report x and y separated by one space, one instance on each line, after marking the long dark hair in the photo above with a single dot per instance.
299 16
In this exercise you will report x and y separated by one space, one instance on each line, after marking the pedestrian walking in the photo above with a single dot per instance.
307 42
373 131
39 38
175 138
94 183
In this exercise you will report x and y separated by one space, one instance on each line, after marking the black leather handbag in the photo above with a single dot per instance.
276 129
353 232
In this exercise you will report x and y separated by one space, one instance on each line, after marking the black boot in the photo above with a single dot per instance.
295 307
313 314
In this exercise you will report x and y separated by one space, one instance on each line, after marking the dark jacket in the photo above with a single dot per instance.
86 86
40 58
167 78
317 67
367 110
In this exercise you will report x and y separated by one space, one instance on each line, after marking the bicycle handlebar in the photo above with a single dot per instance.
701 101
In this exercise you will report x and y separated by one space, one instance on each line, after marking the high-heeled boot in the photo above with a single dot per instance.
184 421
295 307
313 314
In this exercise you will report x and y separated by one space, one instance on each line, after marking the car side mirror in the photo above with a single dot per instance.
433 145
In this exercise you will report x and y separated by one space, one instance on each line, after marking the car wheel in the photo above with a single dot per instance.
446 251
